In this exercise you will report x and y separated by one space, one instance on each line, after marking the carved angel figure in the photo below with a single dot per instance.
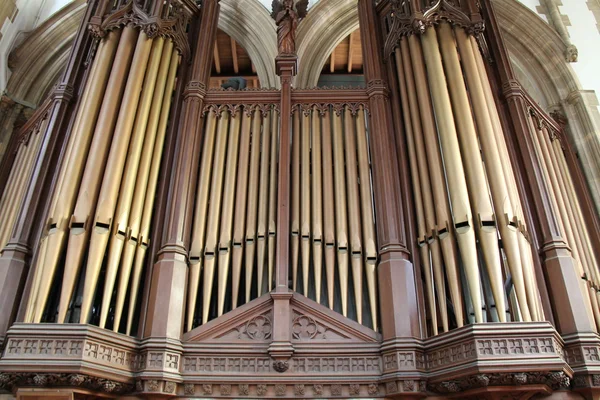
287 19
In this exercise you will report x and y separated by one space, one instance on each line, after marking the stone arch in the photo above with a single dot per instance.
249 23
327 23
37 63
538 56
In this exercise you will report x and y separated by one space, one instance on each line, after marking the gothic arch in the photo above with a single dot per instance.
38 61
250 24
327 23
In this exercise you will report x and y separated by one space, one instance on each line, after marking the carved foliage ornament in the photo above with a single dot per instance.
233 109
12 381
403 23
321 108
555 380
173 27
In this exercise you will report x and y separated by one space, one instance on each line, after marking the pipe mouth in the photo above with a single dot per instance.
462 227
329 245
317 241
101 227
442 233
194 259
271 234
237 244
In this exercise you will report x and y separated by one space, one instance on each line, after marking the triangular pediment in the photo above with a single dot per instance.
309 322
251 322
313 322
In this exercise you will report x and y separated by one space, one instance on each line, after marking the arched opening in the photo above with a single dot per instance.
231 60
344 66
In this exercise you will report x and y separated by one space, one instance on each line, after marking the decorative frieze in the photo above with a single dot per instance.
10 381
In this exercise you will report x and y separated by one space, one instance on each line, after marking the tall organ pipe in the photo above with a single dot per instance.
109 191
263 202
341 212
241 194
228 204
295 231
273 196
200 215
120 219
70 175
477 183
419 201
368 224
90 182
356 251
317 201
252 207
7 195
305 198
328 206
438 183
141 183
148 206
212 227
459 196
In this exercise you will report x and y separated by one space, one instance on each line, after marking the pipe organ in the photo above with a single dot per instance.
361 242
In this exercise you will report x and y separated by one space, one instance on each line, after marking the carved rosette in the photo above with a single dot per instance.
404 22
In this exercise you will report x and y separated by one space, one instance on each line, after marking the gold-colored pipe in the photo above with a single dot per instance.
476 180
119 219
212 227
263 202
227 214
341 211
141 182
455 175
71 171
14 201
416 184
79 224
505 217
252 210
109 191
8 195
368 224
328 207
273 196
295 231
305 198
353 210
317 202
241 194
199 233
509 176
429 159
143 238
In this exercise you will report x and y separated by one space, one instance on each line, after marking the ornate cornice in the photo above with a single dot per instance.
172 27
10 381
555 380
403 23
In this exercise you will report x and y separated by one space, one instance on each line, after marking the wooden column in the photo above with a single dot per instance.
17 255
396 273
563 282
165 318
281 347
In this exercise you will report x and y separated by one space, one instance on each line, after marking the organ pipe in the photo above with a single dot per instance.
141 182
273 196
317 201
295 215
356 251
457 187
241 193
341 213
119 219
224 248
98 86
305 198
215 202
109 190
477 184
148 206
419 200
328 206
438 184
263 202
200 215
252 205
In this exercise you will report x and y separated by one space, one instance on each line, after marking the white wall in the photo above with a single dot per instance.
31 14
